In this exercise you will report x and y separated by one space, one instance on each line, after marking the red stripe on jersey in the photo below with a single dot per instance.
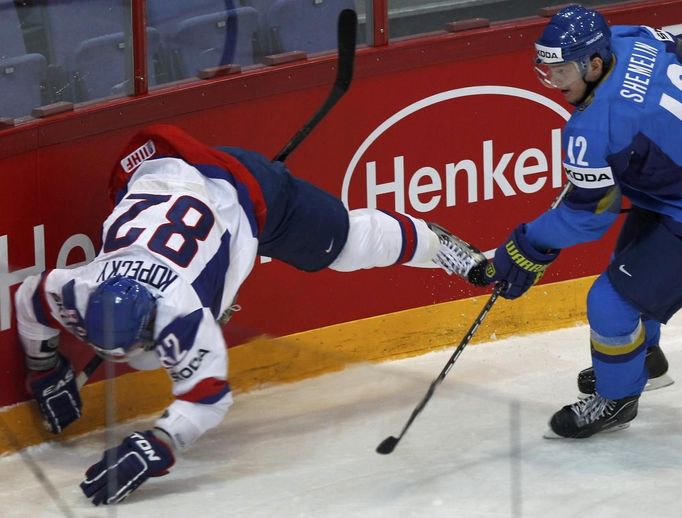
172 141
409 232
206 391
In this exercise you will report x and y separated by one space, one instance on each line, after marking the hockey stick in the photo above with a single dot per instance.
88 370
347 29
389 444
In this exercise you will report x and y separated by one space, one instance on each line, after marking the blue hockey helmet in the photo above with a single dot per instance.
574 34
117 318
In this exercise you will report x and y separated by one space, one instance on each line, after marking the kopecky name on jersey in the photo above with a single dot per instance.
135 159
154 274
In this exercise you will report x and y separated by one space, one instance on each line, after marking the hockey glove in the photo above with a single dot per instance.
57 395
518 263
123 469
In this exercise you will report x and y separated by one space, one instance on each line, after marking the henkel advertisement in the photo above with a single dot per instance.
459 169
478 159
443 143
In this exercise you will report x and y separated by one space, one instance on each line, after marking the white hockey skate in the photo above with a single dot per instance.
458 257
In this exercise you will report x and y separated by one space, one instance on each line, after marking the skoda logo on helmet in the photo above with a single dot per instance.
548 54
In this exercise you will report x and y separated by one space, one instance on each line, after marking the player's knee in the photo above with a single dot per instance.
608 313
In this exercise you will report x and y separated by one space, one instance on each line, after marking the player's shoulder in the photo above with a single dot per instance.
639 42
165 173
593 118
85 274
620 33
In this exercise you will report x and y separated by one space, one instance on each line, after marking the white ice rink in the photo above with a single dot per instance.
307 449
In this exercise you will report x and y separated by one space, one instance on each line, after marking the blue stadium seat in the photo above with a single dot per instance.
307 25
88 46
22 75
204 33
90 56
262 6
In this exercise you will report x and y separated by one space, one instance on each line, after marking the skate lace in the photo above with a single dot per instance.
453 257
592 408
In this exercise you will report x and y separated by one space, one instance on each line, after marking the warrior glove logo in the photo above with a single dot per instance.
523 262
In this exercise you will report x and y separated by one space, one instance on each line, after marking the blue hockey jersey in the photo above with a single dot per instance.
626 138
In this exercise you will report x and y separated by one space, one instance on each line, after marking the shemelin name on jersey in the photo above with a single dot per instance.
639 71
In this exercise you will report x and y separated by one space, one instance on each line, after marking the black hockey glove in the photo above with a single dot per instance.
123 469
57 395
517 263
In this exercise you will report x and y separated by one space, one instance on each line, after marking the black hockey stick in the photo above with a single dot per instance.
389 444
88 370
347 29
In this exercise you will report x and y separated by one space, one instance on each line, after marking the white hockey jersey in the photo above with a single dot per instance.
191 239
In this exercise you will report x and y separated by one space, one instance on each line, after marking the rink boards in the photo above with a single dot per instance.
265 361
451 127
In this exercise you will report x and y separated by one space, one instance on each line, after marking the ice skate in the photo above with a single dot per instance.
592 415
458 257
656 364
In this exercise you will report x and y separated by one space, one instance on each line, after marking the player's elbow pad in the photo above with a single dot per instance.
185 422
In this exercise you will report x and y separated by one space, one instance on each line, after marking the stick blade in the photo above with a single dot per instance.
387 445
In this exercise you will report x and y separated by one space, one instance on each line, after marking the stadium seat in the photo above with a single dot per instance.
89 57
205 34
262 7
22 75
307 25
89 53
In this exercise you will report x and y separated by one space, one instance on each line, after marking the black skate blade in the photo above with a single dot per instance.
550 434
659 382
387 445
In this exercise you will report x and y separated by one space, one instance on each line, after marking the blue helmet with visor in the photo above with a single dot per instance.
571 39
118 317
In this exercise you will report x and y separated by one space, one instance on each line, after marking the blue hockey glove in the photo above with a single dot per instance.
123 469
518 263
57 395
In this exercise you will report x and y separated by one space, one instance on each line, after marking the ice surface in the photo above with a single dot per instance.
307 449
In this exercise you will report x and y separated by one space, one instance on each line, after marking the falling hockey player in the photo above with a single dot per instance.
623 138
186 228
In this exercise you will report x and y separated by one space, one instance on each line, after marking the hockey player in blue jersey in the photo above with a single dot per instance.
187 225
624 138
